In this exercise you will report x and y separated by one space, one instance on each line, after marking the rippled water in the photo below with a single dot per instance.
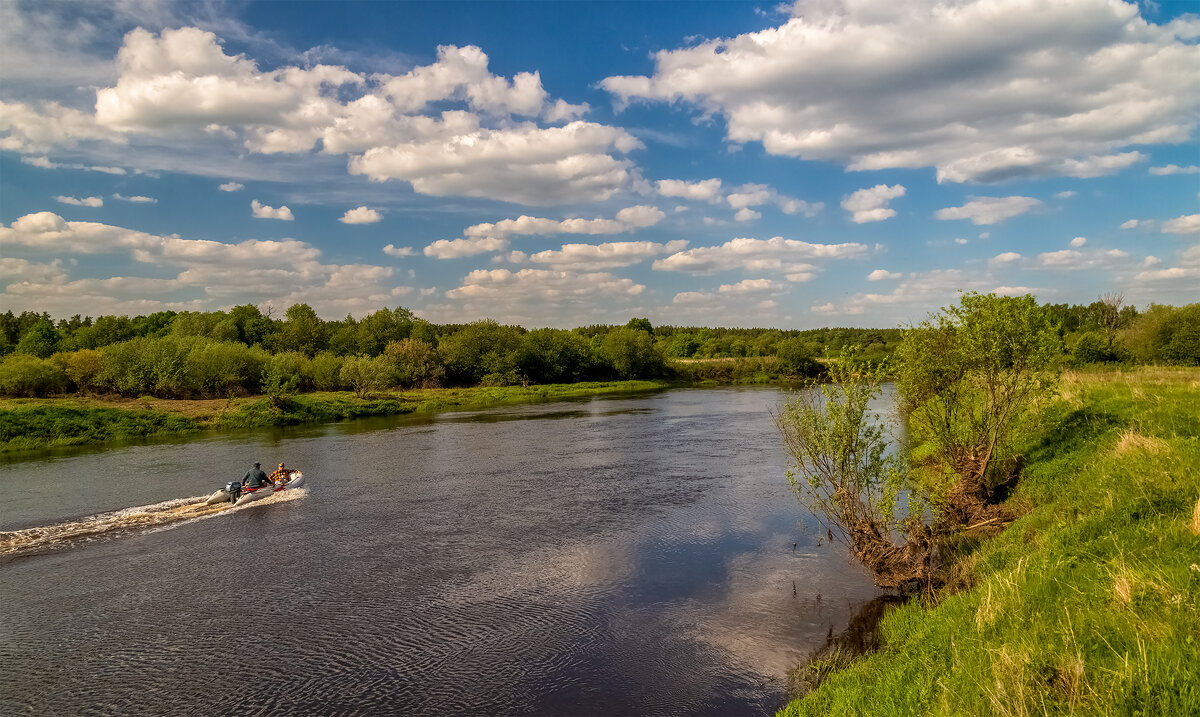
610 556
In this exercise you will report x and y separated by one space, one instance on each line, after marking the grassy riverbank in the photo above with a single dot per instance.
1087 604
30 424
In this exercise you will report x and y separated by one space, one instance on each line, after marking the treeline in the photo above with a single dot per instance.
1108 331
243 351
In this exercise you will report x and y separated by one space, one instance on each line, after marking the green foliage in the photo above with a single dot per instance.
970 373
23 374
31 427
797 357
41 340
302 331
365 374
326 371
83 367
414 363
1089 604
279 384
554 356
631 353
479 349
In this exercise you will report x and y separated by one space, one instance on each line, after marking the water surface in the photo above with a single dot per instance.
607 556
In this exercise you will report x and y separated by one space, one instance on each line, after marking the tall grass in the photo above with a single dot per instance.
1090 602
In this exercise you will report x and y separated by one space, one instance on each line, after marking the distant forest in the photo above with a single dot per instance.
243 351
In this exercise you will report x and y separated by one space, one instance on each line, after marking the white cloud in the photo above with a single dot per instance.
361 215
708 190
581 257
85 202
640 216
989 210
881 274
756 195
1002 91
790 257
1131 224
1007 257
45 163
523 164
871 205
25 270
1187 271
28 129
746 215
1067 194
1183 224
1174 169
136 199
1078 242
458 248
393 250
960 241
262 211
282 272
231 187
534 297
1074 260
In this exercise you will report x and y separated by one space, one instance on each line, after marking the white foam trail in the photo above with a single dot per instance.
156 516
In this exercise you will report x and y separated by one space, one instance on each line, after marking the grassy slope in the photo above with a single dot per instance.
1088 604
29 424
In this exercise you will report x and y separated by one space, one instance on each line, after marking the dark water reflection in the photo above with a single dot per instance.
620 556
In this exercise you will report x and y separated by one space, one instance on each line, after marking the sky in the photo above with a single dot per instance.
823 163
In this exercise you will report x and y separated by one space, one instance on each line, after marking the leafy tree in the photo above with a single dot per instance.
24 374
302 331
968 375
797 357
325 371
842 469
376 330
252 327
479 349
414 363
554 356
279 387
640 325
1178 336
41 340
631 353
104 331
83 367
365 375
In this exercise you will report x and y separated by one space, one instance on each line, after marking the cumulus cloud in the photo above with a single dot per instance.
1183 224
361 215
540 297
989 210
627 220
448 128
1132 224
1187 270
1066 194
458 248
231 187
1075 260
1174 169
136 199
881 274
84 202
262 211
1003 91
871 205
746 215
789 257
1078 242
282 272
398 251
1007 257
605 256
708 190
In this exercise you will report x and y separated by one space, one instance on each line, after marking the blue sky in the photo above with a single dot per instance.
831 162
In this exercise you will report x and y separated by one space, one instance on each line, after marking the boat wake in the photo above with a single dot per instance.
144 518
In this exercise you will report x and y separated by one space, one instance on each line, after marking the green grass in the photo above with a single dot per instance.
33 424
1089 604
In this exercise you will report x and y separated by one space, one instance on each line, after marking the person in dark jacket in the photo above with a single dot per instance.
255 478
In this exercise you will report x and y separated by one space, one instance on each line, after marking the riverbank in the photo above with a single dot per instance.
1090 602
35 423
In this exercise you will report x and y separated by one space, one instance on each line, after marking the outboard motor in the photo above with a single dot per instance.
234 489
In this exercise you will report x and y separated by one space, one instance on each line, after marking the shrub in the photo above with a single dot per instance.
26 375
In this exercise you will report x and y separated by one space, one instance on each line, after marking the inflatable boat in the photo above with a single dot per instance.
238 494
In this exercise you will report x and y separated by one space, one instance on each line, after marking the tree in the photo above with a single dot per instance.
1109 315
23 374
414 363
968 375
631 353
40 340
796 357
83 367
302 331
365 375
842 469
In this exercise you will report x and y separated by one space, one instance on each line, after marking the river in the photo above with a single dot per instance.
619 555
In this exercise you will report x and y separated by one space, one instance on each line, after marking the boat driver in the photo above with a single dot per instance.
254 477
